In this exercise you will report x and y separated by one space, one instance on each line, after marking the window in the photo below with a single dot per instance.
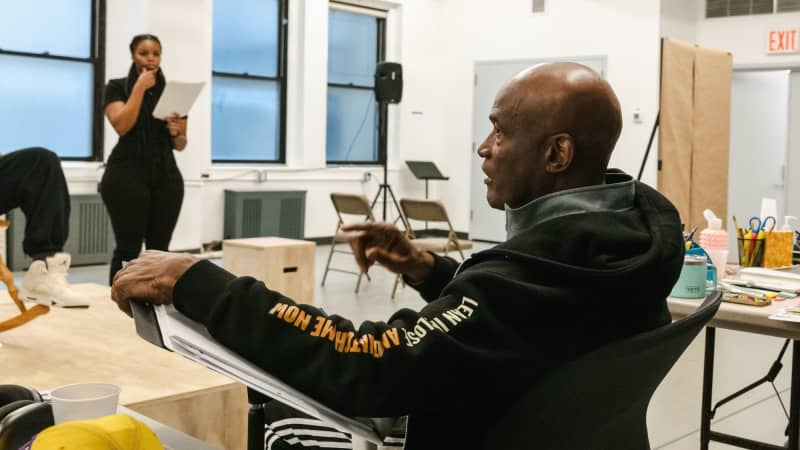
51 59
355 45
248 87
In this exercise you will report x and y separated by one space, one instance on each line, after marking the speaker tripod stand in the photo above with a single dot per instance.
385 188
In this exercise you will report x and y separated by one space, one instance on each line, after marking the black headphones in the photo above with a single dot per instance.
23 414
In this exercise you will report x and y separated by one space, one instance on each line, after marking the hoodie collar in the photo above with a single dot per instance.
616 194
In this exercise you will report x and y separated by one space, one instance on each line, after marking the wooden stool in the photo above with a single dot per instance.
284 265
26 315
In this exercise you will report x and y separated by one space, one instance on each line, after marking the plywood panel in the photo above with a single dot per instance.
712 112
694 139
675 136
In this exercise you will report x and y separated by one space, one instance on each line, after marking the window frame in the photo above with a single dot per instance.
382 107
280 78
97 59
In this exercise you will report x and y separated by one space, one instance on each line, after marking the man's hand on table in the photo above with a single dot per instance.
149 278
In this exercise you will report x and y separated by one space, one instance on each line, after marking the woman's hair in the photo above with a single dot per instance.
143 37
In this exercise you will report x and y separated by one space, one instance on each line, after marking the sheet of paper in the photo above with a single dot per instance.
178 97
191 339
785 316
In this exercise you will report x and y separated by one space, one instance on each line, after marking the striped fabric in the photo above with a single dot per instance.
288 429
303 433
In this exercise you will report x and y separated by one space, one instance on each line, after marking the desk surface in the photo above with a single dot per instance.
99 344
732 316
96 344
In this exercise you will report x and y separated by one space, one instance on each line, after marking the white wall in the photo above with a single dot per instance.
746 37
438 43
625 31
679 19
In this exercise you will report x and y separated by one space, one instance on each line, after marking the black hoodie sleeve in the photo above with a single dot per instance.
444 269
382 369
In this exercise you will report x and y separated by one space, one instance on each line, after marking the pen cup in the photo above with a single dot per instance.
751 251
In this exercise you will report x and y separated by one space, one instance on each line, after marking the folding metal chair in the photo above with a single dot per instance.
346 204
430 211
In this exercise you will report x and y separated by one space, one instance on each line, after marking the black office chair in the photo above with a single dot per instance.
599 401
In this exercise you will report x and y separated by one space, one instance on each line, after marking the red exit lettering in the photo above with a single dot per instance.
782 41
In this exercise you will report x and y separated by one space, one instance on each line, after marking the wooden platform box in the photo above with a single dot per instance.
284 265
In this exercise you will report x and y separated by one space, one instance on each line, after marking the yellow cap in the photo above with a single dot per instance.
119 432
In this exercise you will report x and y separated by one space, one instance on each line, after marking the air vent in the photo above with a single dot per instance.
725 8
539 6
291 215
90 241
251 217
788 5
94 229
264 213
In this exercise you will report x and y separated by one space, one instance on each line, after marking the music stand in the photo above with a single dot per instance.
425 170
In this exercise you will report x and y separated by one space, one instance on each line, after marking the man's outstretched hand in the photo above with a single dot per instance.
149 278
385 244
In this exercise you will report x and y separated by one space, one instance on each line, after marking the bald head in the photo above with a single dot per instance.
561 121
573 99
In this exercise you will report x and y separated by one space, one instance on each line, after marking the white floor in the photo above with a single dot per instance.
674 414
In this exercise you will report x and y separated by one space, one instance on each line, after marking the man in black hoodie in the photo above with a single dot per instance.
590 258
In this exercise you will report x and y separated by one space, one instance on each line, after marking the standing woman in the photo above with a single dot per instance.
142 187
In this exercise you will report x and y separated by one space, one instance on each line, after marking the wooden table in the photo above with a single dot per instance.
751 319
99 344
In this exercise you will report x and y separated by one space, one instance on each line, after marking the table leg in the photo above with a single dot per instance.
708 381
794 402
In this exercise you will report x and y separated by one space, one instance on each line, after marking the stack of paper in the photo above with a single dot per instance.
191 339
775 280
791 314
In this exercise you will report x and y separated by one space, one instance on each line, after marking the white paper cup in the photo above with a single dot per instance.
84 401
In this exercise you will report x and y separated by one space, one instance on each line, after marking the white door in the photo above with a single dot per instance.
792 178
487 224
759 142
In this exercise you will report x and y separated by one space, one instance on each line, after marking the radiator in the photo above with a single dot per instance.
90 241
264 213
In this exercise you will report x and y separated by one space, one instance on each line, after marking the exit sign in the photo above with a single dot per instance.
783 41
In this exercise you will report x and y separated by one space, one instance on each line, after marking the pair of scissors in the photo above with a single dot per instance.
757 225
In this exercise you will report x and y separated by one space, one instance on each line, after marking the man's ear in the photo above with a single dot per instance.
559 153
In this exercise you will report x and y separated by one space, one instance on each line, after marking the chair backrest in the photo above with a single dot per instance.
425 210
599 401
352 204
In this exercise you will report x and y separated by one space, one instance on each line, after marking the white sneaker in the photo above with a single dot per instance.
45 283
